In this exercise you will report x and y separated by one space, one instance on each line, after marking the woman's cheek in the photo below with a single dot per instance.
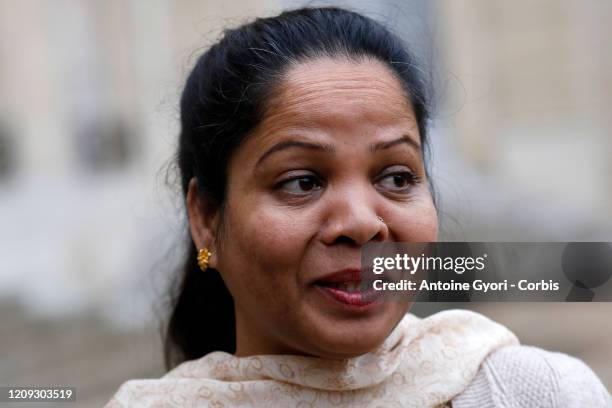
419 223
427 228
277 236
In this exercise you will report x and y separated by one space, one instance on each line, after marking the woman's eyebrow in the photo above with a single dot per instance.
287 144
295 143
403 139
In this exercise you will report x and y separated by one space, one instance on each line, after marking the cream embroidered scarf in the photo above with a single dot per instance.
423 363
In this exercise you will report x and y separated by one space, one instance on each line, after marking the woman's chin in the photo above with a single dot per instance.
347 339
326 331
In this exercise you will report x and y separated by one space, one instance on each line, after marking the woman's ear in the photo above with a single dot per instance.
202 221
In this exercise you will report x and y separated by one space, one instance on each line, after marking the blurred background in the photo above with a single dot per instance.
91 220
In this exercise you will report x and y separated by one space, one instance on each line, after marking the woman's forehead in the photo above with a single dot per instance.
339 89
337 95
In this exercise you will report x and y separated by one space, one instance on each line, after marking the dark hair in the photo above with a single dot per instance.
223 100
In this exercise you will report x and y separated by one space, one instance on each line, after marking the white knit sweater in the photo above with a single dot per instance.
523 376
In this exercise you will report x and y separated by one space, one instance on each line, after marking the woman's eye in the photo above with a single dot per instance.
398 182
301 185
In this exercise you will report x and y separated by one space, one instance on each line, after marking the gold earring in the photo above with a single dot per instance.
203 258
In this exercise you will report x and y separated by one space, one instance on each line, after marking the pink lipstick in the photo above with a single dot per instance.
347 288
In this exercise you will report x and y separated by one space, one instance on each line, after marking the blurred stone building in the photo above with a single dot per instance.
532 111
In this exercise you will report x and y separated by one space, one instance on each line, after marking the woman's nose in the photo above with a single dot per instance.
352 217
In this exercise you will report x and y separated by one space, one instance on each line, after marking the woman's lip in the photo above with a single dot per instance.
353 300
343 276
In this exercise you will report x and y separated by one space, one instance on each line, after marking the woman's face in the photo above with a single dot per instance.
338 148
